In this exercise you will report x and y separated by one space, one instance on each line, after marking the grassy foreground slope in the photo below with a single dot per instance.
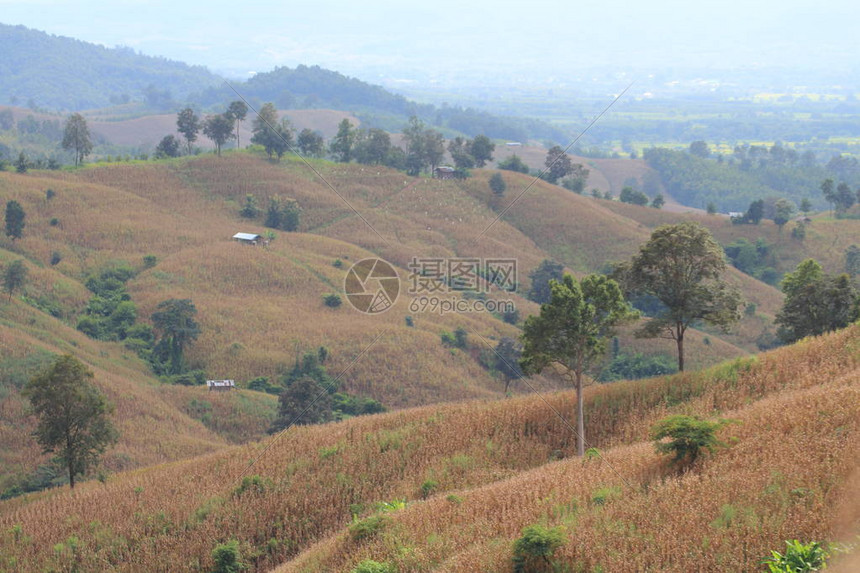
787 474
291 499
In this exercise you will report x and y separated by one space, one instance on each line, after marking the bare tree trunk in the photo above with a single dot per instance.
680 341
70 460
580 420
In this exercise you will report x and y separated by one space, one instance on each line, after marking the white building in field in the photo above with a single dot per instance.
247 238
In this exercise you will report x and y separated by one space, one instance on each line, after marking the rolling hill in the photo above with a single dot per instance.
471 475
261 308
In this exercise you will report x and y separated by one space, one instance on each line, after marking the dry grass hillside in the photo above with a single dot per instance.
260 308
474 474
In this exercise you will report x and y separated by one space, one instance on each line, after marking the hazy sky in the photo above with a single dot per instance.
539 39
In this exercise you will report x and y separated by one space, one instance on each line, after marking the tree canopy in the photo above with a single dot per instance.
572 329
815 302
73 415
76 137
218 128
15 216
275 137
682 266
558 164
14 277
188 124
174 322
343 142
545 272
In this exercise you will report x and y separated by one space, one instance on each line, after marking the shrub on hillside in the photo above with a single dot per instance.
368 527
798 558
332 300
533 551
227 558
688 436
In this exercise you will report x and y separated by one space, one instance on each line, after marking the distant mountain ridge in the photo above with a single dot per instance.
41 70
62 73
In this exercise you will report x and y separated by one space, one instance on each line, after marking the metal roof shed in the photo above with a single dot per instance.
246 237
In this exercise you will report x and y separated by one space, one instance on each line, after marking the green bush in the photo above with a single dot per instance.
460 337
227 558
254 484
798 558
368 527
428 487
332 300
532 551
689 436
634 366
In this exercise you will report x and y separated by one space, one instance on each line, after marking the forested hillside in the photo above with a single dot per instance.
55 72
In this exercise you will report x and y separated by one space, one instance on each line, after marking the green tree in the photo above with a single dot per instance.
844 198
711 209
167 147
227 557
218 128
682 266
15 216
558 164
310 143
481 148
700 149
22 164
425 147
799 231
828 191
497 184
688 437
815 302
461 153
514 163
14 277
343 142
250 210
783 209
305 401
632 196
280 139
372 146
571 331
76 137
852 260
532 551
755 212
73 415
237 110
507 357
546 271
805 206
174 323
282 214
188 124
